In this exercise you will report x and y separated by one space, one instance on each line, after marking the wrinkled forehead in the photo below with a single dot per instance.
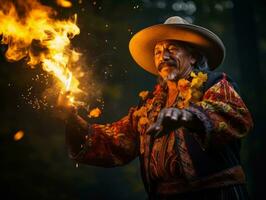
167 43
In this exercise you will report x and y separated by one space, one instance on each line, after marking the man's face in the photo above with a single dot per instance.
172 60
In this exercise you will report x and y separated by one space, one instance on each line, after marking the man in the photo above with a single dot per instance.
186 132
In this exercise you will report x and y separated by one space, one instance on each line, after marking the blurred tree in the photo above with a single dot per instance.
253 81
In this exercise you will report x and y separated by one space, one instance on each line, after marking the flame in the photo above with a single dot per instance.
68 81
96 112
31 31
18 135
64 3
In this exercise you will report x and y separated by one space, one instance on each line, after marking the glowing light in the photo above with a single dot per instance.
96 112
40 38
18 135
64 3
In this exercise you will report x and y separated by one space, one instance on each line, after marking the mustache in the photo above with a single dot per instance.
169 63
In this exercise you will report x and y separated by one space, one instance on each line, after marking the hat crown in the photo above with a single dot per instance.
176 20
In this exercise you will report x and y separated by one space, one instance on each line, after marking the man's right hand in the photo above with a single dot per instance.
69 112
65 107
168 120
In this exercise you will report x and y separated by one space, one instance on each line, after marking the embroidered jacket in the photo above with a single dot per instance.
180 161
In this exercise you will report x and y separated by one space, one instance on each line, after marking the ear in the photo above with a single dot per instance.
192 60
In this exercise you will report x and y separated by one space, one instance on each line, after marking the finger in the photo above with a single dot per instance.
175 115
186 116
168 113
167 117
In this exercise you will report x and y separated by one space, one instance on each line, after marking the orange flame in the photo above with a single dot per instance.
96 112
64 3
31 31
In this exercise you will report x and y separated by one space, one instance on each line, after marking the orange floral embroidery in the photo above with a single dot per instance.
142 122
141 114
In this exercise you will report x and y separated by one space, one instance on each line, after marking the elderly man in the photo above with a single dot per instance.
187 131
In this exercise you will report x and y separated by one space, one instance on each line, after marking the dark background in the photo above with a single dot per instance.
37 166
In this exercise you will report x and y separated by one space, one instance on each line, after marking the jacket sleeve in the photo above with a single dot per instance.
222 112
106 145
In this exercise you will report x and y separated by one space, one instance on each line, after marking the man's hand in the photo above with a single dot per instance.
65 106
168 120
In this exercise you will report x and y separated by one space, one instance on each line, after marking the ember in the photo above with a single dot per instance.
96 112
18 135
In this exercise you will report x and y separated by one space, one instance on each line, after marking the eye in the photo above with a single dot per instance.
157 52
172 49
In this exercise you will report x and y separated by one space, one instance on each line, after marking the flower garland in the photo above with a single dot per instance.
188 91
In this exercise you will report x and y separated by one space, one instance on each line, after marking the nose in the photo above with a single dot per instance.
166 55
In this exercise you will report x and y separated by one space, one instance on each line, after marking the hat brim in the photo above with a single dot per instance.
142 44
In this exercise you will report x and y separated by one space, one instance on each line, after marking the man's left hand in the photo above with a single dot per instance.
168 120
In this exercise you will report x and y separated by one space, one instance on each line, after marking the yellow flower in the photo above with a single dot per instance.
190 91
143 121
222 126
193 75
183 85
182 104
196 95
184 95
198 79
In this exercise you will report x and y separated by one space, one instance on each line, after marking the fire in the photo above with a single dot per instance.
31 31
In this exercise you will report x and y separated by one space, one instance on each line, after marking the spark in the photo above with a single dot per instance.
18 135
64 3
